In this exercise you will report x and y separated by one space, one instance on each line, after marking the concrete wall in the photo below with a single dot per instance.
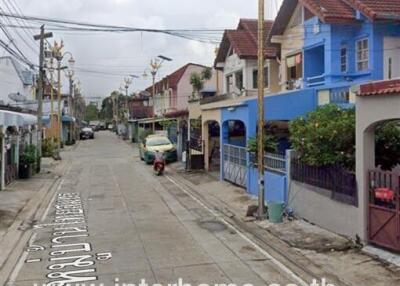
315 205
370 111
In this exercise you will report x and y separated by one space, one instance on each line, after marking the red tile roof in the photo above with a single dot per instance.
377 9
338 11
172 80
384 87
244 41
330 11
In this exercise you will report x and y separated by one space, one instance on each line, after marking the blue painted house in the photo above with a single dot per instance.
326 48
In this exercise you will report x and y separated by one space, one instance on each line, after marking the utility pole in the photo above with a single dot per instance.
41 37
260 151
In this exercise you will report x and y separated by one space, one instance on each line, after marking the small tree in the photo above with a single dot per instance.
197 80
197 83
270 144
325 137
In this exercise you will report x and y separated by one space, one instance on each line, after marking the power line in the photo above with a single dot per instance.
191 34
17 9
17 33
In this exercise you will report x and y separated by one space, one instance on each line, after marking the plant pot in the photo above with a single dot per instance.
25 171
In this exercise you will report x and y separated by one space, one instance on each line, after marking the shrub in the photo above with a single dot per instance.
49 147
327 137
29 155
270 144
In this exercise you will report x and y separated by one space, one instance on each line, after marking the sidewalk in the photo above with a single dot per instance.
19 203
311 247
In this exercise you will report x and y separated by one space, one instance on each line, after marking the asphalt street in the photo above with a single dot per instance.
112 221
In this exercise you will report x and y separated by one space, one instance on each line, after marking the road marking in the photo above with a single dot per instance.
279 264
33 260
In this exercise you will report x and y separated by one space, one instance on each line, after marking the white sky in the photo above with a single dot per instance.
125 54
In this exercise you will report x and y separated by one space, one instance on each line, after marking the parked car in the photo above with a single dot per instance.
102 126
153 143
86 133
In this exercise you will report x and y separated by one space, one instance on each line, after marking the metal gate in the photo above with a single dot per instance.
235 164
384 209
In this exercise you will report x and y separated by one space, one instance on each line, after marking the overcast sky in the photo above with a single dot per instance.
124 54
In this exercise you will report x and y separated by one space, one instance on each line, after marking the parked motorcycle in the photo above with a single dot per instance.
159 163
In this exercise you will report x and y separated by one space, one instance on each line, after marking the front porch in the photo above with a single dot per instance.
237 164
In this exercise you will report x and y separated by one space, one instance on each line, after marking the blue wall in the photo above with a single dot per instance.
285 106
275 187
334 36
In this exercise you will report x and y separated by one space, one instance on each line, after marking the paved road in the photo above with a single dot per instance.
112 221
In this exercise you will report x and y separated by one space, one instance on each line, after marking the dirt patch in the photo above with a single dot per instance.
6 219
247 248
213 225
301 235
242 199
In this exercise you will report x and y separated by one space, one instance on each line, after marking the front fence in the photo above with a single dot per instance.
235 164
334 178
272 162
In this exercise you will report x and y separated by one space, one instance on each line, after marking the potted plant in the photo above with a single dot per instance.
26 161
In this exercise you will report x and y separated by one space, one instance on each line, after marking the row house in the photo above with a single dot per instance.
18 127
236 73
170 103
325 49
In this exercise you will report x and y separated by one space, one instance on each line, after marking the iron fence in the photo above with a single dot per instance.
273 162
341 183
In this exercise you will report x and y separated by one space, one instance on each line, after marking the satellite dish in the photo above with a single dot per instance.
17 97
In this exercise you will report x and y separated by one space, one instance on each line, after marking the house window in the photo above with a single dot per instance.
362 55
343 59
239 80
266 78
294 67
229 83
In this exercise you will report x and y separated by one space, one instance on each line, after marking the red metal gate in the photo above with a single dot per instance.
384 209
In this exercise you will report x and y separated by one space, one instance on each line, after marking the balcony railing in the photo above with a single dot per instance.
316 80
211 99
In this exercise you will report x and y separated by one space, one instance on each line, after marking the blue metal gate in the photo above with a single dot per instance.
235 164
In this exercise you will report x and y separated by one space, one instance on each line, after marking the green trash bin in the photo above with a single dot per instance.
275 211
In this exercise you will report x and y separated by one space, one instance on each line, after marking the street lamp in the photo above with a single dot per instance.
59 55
155 66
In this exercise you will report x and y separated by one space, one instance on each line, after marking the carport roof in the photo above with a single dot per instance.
384 87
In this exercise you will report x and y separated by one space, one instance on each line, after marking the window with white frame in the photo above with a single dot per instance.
343 59
362 55
266 78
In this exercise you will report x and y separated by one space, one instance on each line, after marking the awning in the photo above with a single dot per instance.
65 118
11 118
